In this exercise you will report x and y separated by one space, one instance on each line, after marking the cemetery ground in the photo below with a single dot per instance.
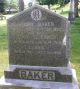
74 54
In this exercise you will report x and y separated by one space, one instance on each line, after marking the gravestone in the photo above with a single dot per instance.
38 38
38 51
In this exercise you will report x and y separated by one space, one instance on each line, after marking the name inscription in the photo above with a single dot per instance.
30 24
37 75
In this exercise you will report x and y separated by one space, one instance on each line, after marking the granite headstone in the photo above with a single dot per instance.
38 37
38 51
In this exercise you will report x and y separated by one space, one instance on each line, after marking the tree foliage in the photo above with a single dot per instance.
11 4
66 1
63 2
52 2
47 2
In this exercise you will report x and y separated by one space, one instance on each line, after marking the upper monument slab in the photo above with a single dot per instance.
38 37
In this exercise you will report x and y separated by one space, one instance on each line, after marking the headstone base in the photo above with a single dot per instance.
39 73
30 84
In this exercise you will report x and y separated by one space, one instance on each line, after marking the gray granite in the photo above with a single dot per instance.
38 37
30 84
38 52
54 74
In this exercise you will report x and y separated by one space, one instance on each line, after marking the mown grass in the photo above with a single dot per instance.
75 46
61 10
3 35
3 46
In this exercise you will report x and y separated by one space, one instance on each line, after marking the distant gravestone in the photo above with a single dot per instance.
39 51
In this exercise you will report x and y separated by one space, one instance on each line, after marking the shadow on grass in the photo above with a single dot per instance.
77 21
78 10
58 7
64 12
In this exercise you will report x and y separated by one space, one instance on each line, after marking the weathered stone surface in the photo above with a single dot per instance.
52 74
38 52
30 84
37 37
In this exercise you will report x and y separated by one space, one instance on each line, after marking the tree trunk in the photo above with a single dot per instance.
2 6
72 11
21 5
76 8
10 6
48 6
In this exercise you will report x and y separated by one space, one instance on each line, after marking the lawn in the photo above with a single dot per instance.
75 47
3 46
